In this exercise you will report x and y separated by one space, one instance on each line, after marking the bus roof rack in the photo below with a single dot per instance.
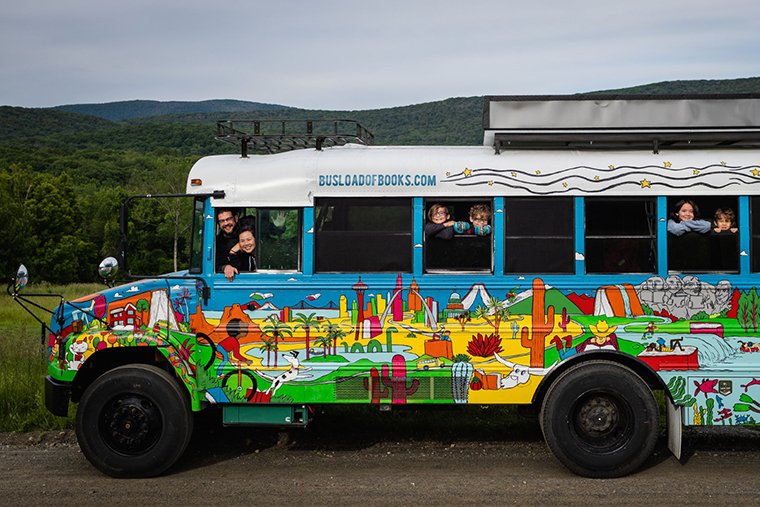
622 121
274 136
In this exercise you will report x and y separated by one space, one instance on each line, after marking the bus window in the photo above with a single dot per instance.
703 234
276 231
196 237
356 235
278 239
539 235
621 235
458 235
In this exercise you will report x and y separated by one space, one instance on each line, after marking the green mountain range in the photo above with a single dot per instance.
189 127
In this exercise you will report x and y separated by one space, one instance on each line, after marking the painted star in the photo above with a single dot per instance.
538 172
448 174
696 172
646 184
514 174
564 184
467 172
596 178
722 163
490 182
755 172
667 164
612 167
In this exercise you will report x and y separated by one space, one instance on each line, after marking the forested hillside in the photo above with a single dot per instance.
63 175
137 108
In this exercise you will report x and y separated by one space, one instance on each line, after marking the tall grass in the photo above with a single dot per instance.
22 361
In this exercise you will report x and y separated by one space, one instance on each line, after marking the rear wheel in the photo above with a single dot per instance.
134 421
600 419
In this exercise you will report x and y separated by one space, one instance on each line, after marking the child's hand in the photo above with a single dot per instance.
461 227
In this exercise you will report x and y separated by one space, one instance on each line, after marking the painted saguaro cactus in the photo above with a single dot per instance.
541 326
375 386
396 381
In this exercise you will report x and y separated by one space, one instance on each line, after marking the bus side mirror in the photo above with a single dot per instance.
21 279
108 268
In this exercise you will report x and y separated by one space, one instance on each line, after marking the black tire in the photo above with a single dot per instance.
134 421
600 420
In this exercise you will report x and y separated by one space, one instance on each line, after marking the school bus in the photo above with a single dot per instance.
601 272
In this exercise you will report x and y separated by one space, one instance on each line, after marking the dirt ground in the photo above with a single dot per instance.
341 463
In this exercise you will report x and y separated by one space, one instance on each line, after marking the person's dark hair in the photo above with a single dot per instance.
679 205
223 210
247 223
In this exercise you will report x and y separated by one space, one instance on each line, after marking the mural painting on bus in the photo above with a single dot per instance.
138 315
408 346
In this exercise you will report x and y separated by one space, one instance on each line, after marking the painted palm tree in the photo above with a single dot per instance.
334 333
324 342
496 311
307 323
270 344
276 329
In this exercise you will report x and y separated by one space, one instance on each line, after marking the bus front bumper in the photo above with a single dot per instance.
57 396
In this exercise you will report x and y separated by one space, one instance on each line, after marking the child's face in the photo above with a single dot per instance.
723 223
440 215
686 212
479 220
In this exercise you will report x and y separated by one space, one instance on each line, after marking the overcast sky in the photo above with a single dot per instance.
343 55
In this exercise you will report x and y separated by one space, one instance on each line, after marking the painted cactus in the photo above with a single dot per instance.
542 324
461 372
396 380
375 386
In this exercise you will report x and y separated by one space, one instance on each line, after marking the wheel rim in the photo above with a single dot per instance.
130 424
602 422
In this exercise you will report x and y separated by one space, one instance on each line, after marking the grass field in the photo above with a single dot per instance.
22 361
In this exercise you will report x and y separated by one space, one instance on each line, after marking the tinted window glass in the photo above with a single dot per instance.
539 235
621 235
363 235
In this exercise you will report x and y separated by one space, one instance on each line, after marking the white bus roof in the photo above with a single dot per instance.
295 178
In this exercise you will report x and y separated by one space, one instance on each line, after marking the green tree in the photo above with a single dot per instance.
63 254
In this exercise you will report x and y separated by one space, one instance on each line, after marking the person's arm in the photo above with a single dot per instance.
700 226
677 229
441 231
231 267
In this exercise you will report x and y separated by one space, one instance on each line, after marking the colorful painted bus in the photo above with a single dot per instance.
585 288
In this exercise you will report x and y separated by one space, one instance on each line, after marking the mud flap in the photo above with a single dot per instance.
675 427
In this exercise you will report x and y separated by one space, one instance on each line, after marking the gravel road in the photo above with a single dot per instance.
340 462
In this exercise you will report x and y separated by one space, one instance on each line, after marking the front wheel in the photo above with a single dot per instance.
600 419
134 421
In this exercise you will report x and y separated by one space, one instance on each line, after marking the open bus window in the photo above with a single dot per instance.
539 235
196 236
621 235
276 232
357 235
707 239
278 239
458 235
